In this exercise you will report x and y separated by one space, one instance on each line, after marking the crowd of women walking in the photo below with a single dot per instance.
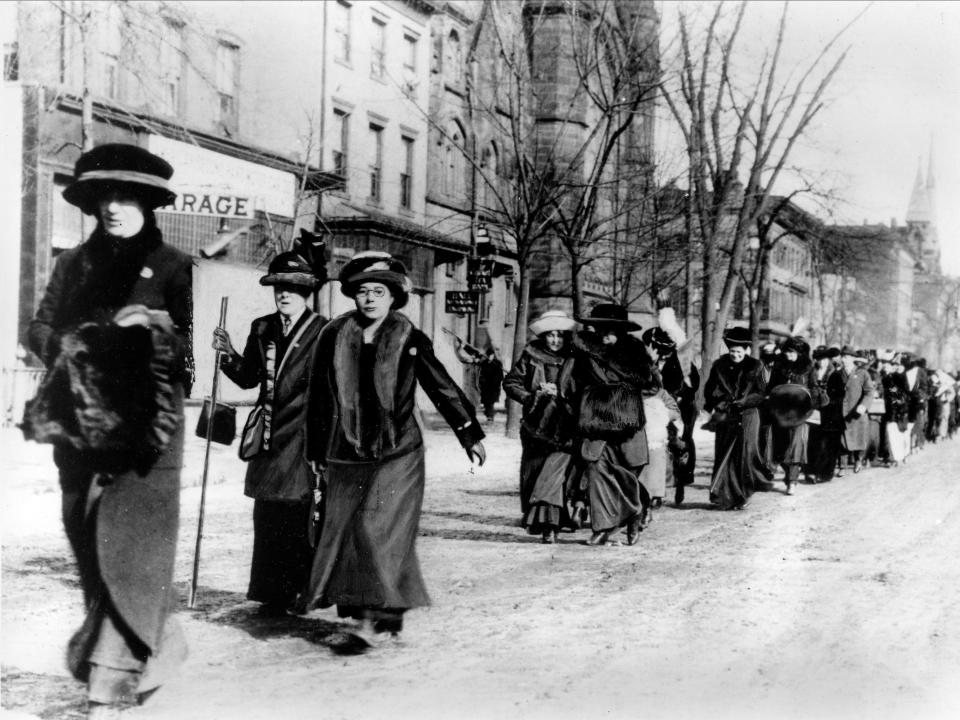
334 442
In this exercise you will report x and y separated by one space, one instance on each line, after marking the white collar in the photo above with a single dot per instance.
293 320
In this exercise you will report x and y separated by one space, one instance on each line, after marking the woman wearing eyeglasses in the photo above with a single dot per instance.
365 440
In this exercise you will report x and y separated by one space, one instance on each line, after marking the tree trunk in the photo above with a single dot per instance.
756 302
519 343
576 279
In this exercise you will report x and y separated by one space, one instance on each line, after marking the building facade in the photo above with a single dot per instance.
276 117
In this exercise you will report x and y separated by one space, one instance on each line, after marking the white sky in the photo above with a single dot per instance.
897 92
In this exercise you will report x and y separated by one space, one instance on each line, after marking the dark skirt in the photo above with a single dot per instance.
823 448
738 466
281 552
876 441
614 488
551 488
533 455
855 434
682 462
366 557
123 532
790 444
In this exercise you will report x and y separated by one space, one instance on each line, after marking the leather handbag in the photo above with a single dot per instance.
224 422
252 437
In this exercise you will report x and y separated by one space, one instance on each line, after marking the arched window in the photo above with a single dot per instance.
454 163
490 177
453 58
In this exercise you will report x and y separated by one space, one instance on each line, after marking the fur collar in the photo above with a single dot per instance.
627 358
389 340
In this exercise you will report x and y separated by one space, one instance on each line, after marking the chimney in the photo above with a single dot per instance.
893 222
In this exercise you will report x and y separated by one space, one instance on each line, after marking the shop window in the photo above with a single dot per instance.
66 220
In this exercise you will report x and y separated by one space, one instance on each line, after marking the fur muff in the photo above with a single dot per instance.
108 394
610 411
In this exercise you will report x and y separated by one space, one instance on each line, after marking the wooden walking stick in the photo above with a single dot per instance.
206 460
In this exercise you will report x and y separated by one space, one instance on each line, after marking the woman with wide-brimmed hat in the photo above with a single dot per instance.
613 372
541 380
792 371
365 439
735 389
121 300
278 358
826 428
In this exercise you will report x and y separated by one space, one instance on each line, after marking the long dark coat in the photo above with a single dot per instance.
279 478
612 466
790 444
823 444
857 392
733 392
282 472
129 547
366 556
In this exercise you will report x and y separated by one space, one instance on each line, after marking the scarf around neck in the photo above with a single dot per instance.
112 268
389 341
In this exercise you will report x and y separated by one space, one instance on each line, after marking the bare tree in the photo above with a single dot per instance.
570 142
732 126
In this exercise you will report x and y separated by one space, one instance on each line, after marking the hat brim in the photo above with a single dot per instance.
611 323
831 353
87 193
538 327
302 279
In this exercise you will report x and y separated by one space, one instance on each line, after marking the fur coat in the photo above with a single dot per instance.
404 358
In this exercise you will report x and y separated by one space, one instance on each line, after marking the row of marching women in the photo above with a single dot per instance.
336 455
816 414
607 423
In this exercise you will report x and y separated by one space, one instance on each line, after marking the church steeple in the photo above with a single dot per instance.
919 209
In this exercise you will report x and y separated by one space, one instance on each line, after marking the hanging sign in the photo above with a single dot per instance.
461 302
479 274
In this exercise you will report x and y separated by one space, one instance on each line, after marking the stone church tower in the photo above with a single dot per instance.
922 219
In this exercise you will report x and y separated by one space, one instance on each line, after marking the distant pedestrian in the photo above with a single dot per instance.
116 315
857 395
279 359
825 434
896 398
542 382
370 449
919 385
794 367
681 379
491 376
